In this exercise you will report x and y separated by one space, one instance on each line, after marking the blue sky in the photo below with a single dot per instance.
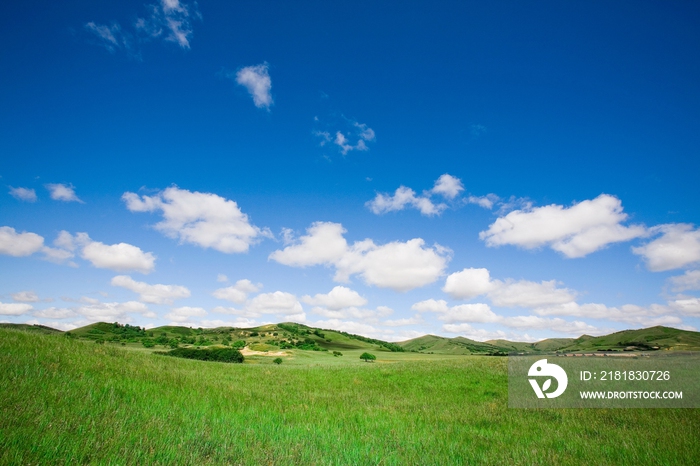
456 168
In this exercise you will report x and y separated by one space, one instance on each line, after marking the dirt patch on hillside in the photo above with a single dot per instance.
250 352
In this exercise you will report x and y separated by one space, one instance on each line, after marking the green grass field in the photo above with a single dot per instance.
68 401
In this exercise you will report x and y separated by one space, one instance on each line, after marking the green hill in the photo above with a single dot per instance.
288 335
442 345
31 328
662 338
647 339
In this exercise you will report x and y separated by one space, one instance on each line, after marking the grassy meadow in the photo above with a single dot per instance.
68 401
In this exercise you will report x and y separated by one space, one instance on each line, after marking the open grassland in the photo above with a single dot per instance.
67 401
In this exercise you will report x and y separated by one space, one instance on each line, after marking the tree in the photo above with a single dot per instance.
278 361
367 357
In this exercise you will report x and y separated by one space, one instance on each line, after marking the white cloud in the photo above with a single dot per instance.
95 311
237 293
678 246
153 294
470 283
14 309
688 281
403 197
482 313
121 257
221 278
23 194
487 202
238 323
400 266
353 312
170 20
338 298
689 306
360 132
279 303
65 240
55 313
62 192
628 313
256 79
19 244
573 231
448 186
472 333
183 314
415 320
204 219
324 244
64 326
25 297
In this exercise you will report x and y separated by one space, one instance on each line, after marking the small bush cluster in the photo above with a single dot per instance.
214 354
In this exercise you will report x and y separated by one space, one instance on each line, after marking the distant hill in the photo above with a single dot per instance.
292 335
31 328
442 345
647 339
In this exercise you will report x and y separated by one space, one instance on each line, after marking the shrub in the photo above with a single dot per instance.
215 354
148 343
337 353
278 361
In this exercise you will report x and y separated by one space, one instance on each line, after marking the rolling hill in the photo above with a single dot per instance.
288 335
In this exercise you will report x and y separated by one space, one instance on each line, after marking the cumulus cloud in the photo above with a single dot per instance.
402 198
415 320
25 297
203 219
120 257
256 80
678 246
183 314
448 186
169 20
338 298
456 316
574 231
688 281
353 312
629 313
55 313
95 311
471 282
284 305
23 194
14 309
153 294
401 266
62 192
237 293
687 305
19 244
